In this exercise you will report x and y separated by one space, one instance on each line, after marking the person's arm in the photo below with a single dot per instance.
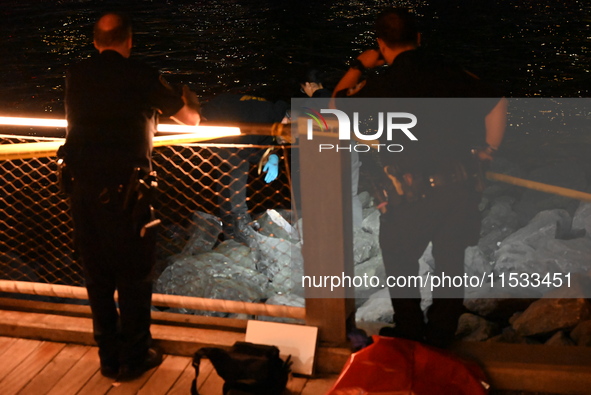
189 113
368 60
495 123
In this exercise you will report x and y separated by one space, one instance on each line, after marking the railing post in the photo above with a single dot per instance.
328 234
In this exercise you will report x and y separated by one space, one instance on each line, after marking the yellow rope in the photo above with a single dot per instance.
538 186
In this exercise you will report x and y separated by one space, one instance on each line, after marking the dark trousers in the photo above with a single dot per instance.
449 218
232 185
114 257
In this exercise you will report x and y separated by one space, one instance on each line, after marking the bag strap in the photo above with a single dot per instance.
196 363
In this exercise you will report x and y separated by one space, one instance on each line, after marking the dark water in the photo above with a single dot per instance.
529 48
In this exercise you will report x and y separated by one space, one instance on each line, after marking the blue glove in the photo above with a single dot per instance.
271 168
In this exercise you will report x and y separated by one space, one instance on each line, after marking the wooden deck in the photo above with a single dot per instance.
31 367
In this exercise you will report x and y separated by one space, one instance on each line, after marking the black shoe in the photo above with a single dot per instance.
389 331
358 339
129 372
110 371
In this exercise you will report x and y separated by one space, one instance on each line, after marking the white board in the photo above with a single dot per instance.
299 341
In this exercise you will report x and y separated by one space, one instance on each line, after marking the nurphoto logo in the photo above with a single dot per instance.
395 121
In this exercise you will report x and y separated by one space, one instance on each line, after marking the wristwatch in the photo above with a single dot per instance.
357 64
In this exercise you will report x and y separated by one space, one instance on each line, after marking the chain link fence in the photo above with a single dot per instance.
209 197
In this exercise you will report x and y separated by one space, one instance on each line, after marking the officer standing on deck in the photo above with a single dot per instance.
112 106
432 193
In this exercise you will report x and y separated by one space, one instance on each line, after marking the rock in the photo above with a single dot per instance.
509 335
238 253
371 222
366 245
474 328
567 175
280 260
204 234
500 215
499 222
373 267
378 308
582 218
560 338
582 334
272 224
211 275
499 307
476 263
546 316
565 256
365 199
517 253
579 286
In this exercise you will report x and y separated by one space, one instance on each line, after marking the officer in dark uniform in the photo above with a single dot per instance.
235 162
432 192
112 106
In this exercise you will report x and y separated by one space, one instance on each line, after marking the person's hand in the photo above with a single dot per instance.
371 58
271 168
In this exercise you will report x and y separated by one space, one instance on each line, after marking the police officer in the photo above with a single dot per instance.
112 106
432 194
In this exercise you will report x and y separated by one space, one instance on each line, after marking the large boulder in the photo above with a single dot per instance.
546 316
566 175
204 234
378 308
474 328
517 253
214 276
582 219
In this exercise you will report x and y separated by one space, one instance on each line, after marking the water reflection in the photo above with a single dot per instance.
532 48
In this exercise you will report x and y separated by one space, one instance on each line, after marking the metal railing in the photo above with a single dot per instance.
194 180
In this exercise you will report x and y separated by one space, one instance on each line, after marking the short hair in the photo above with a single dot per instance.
120 31
312 75
396 26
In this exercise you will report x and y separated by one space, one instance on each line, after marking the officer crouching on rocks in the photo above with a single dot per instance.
432 185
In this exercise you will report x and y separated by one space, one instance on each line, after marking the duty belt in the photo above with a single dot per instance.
411 187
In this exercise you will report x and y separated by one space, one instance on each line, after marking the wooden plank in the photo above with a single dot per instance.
132 387
183 384
55 370
5 343
319 385
212 385
158 317
558 369
15 354
78 375
295 385
97 385
46 326
165 376
29 367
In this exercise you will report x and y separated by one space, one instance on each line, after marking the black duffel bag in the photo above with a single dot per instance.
246 367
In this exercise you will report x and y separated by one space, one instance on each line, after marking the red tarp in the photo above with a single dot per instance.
392 366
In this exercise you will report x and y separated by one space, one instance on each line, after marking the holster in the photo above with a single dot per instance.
65 179
138 196
413 186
